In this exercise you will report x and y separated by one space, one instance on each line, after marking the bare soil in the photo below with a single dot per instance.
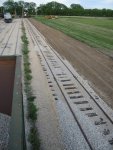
93 65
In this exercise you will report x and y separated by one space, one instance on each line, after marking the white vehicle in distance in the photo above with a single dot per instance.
7 17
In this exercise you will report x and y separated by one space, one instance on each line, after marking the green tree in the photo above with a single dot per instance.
9 6
21 5
1 10
76 6
32 8
76 9
52 8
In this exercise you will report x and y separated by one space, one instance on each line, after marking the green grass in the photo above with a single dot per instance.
33 139
96 32
33 111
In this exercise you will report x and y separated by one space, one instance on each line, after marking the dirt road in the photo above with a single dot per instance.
94 66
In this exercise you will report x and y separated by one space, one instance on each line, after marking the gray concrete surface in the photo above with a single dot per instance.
10 38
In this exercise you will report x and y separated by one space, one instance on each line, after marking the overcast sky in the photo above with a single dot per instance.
84 3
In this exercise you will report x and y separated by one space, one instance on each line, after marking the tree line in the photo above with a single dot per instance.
18 8
52 8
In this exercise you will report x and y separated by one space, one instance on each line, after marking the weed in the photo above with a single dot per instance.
32 110
28 76
27 69
33 138
31 98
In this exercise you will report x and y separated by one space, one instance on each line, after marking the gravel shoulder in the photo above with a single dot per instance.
93 65
4 131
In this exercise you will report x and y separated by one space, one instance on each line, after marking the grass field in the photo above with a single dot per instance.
97 32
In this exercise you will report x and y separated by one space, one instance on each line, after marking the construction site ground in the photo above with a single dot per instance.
91 64
57 125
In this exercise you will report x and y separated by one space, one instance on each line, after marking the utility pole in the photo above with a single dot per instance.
22 11
2 9
36 11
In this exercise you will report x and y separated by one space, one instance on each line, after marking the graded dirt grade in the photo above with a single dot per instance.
93 65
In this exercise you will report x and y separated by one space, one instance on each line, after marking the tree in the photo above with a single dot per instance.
32 8
76 9
11 6
21 5
8 6
76 6
52 8
1 10
15 4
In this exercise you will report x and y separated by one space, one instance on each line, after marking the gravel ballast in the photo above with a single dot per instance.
4 131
